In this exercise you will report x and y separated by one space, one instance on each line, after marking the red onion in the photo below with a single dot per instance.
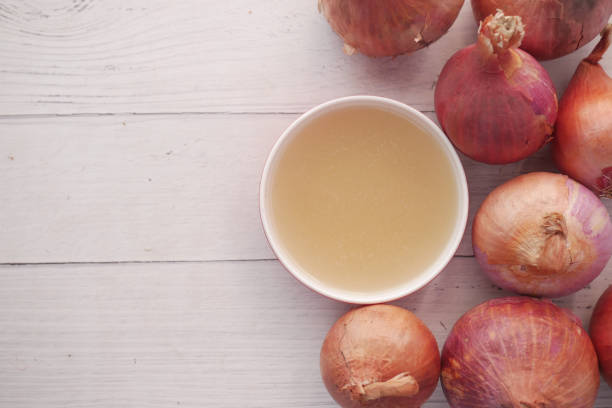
555 27
379 28
583 135
601 333
519 352
380 356
542 234
495 102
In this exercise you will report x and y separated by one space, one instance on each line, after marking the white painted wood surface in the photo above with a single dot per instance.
132 135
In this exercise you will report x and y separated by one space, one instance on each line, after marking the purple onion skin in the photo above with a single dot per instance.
491 117
519 352
555 27
509 244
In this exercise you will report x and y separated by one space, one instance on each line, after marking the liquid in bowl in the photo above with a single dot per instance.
362 200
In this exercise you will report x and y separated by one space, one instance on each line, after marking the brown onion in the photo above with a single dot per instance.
542 234
519 352
495 102
379 28
380 356
554 27
601 333
583 133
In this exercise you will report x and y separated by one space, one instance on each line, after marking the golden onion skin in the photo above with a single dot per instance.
373 345
379 28
582 146
542 234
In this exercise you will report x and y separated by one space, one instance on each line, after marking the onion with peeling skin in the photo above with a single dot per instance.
380 356
554 27
582 146
380 28
542 234
519 352
601 333
495 102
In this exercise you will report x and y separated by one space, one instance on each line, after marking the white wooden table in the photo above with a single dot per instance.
134 271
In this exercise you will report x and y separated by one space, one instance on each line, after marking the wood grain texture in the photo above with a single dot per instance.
215 334
154 188
68 56
84 179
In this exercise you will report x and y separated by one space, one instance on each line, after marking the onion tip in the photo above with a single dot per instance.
348 49
602 46
500 32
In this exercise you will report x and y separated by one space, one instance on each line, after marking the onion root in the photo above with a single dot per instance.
402 385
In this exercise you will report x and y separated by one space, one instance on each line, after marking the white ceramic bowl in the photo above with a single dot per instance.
412 284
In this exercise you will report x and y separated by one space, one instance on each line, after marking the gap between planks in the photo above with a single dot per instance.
128 114
180 261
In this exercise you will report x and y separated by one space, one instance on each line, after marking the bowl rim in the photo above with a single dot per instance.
410 286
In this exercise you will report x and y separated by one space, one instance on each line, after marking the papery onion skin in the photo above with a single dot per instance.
497 105
601 333
542 234
373 345
379 28
519 352
554 27
582 146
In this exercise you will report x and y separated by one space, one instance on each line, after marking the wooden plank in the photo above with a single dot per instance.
134 188
97 56
193 334
153 188
147 188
